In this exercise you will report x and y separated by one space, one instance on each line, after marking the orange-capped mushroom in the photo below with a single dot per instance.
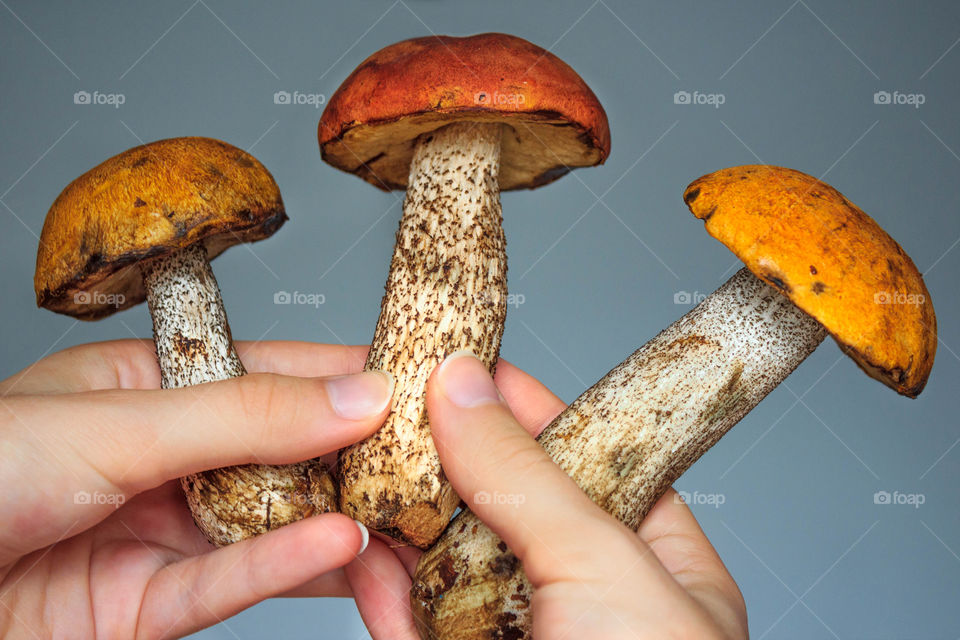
144 225
627 438
829 258
554 122
147 202
453 121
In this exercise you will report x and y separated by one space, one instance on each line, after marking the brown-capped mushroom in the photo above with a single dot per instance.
453 121
145 225
816 264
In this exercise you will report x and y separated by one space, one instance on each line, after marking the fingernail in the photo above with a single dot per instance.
361 395
365 537
466 382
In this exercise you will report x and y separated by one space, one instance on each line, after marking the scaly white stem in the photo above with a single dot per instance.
194 346
446 291
625 441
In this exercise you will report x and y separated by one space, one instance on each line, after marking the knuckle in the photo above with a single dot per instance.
518 453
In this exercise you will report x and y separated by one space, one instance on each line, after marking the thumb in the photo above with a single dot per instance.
509 481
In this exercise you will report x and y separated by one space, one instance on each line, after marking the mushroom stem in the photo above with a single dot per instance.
625 441
446 292
190 325
194 346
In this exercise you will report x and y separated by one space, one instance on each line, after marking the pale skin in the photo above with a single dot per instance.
92 419
593 577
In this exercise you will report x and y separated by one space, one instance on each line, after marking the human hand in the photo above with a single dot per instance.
129 562
593 577
381 578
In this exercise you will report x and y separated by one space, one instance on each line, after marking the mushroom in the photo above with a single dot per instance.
453 121
145 225
815 264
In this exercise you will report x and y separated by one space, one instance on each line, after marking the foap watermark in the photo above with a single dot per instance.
512 299
899 98
899 498
297 497
299 98
495 98
688 298
114 100
697 97
898 297
485 497
115 300
299 298
709 499
99 498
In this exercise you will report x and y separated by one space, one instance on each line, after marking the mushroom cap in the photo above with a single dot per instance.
555 121
831 259
146 202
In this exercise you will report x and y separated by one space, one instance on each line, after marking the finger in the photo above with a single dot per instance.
532 403
142 438
120 443
524 497
305 359
198 592
562 538
675 536
125 364
381 588
332 584
132 364
409 557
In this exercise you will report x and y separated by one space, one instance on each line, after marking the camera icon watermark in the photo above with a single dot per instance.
495 98
714 500
299 298
914 500
296 497
299 98
511 499
99 498
899 98
115 100
698 98
515 300
898 297
688 298
99 298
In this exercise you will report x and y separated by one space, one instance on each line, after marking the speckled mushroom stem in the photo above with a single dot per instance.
625 441
446 292
194 346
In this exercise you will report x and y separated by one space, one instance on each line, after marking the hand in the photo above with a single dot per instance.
593 577
381 577
129 562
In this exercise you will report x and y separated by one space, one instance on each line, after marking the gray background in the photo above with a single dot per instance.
598 256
